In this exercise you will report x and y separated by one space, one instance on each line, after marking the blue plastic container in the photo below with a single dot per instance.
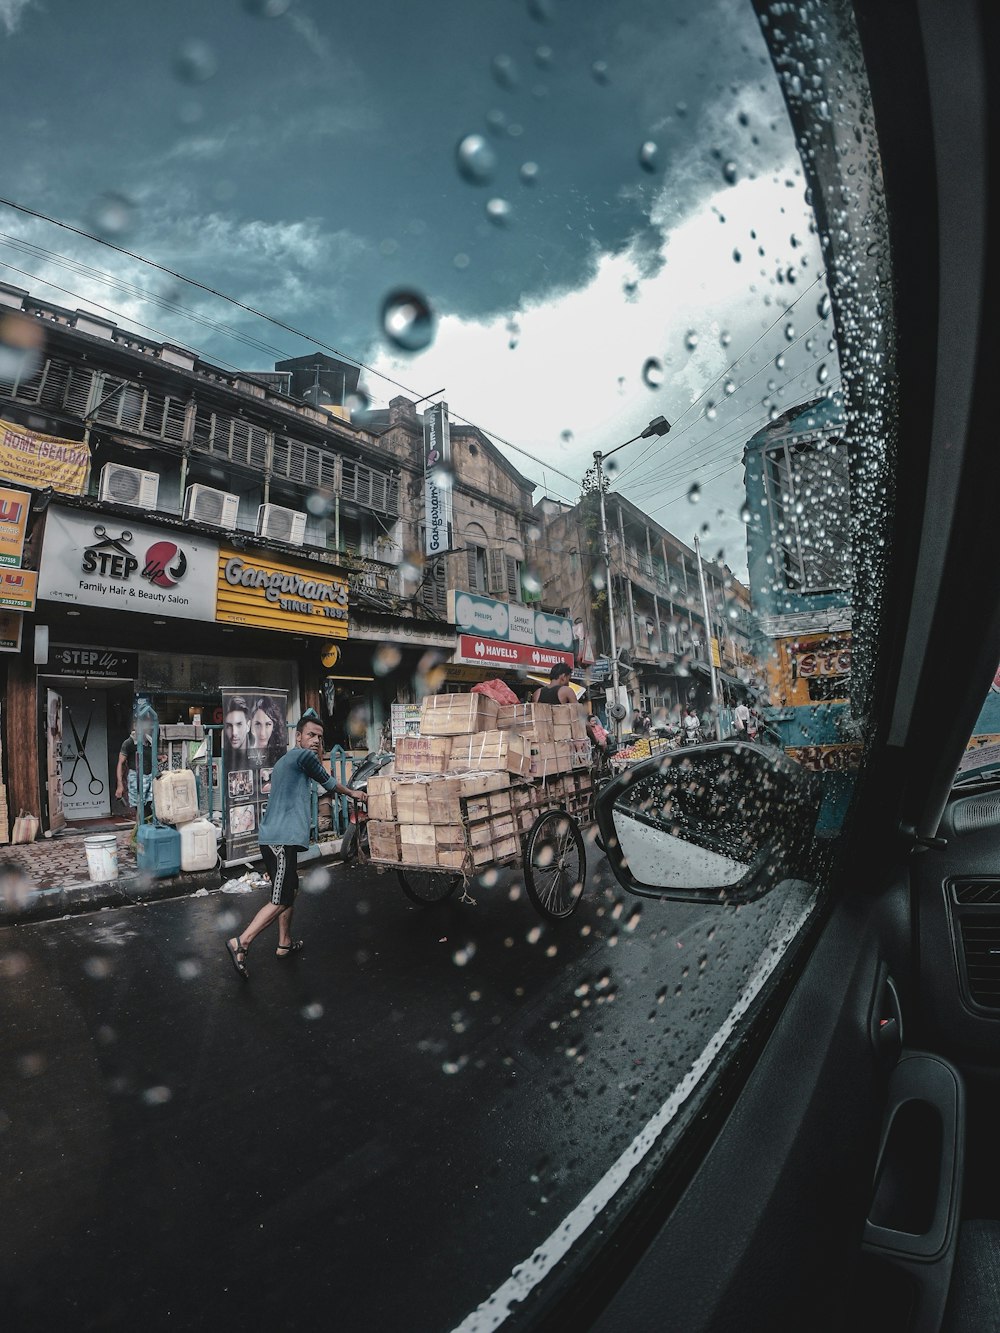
158 850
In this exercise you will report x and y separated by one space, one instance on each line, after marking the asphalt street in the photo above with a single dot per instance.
370 1135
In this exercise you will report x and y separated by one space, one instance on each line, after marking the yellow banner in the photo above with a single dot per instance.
255 589
17 589
14 506
43 460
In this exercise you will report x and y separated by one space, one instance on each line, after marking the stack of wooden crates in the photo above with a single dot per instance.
462 793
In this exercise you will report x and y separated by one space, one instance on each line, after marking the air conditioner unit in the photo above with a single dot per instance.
205 504
281 525
129 486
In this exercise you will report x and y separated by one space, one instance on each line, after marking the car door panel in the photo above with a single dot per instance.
768 1233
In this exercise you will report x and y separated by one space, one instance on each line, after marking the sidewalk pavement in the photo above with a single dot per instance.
50 878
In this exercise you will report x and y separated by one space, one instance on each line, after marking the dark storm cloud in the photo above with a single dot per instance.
314 168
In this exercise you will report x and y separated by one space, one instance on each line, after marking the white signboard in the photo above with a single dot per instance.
437 479
508 622
91 559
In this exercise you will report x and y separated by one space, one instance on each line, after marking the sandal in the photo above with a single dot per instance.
238 956
283 950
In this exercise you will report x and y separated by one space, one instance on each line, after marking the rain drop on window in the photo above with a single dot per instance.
476 159
694 493
407 320
499 212
649 156
652 373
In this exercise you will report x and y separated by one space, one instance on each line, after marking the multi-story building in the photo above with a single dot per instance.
192 529
798 541
661 631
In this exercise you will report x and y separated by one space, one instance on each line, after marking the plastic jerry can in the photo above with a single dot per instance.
158 850
175 797
198 850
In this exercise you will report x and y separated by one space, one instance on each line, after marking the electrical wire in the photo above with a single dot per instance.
696 456
278 323
732 365
769 365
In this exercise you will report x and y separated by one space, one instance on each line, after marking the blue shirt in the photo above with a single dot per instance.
286 823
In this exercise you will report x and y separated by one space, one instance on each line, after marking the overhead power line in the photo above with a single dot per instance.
278 323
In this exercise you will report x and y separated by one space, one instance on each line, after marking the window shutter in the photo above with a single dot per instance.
471 555
513 579
496 573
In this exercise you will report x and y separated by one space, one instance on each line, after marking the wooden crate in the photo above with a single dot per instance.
532 721
423 755
383 840
457 714
501 751
412 801
446 795
381 798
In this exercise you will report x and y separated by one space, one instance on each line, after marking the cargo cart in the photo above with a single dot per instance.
546 842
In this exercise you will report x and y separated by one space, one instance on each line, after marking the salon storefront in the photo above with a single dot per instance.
129 609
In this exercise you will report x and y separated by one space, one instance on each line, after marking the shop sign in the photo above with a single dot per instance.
405 721
814 662
507 622
475 651
827 758
11 627
437 482
126 566
94 663
14 506
254 589
17 589
40 461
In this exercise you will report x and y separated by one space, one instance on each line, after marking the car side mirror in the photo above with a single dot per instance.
722 822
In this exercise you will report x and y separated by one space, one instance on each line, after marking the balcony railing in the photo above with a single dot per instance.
182 421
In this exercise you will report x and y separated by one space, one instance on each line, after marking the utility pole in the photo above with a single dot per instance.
658 426
708 631
606 553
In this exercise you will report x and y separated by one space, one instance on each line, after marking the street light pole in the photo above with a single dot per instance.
658 426
714 676
606 553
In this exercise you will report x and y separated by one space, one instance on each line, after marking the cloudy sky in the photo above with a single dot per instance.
301 157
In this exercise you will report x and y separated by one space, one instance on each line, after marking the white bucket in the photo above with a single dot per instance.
102 856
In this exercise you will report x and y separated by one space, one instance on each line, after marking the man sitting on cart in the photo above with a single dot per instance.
558 690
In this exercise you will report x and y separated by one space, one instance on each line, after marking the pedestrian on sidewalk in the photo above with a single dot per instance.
284 832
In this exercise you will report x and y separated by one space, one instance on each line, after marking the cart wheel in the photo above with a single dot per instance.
555 864
427 886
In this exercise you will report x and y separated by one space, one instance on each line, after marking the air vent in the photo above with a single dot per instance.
129 486
281 525
204 504
981 892
976 814
981 947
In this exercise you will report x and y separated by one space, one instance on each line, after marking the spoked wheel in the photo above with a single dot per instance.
426 887
555 865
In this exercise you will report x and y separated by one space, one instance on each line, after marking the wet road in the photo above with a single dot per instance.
369 1136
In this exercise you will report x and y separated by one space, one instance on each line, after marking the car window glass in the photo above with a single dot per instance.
577 227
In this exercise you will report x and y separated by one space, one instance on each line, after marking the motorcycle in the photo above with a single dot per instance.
354 846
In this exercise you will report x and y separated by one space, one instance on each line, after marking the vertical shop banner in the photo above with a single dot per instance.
14 506
437 480
43 460
53 758
254 737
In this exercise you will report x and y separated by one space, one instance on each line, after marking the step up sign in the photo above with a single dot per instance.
476 651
